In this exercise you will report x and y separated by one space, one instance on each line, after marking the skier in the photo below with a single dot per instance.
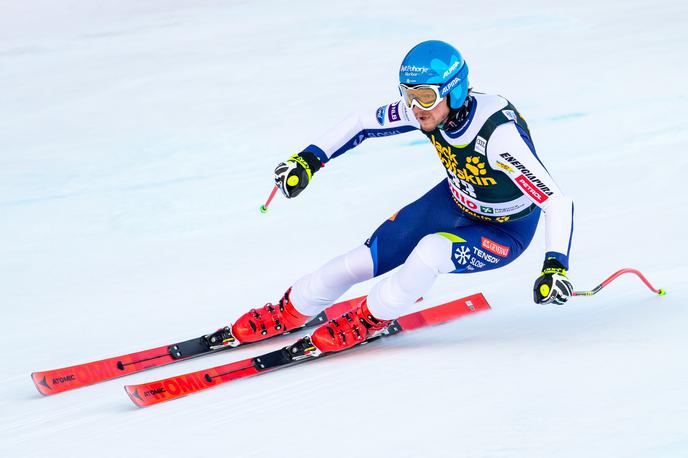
481 217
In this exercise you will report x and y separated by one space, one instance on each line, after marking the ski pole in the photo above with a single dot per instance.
264 208
614 276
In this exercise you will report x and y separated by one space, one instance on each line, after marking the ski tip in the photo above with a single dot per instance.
133 393
41 383
662 292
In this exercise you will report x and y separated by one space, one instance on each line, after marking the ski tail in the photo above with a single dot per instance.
147 394
68 378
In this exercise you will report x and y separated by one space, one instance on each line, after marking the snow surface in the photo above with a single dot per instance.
137 141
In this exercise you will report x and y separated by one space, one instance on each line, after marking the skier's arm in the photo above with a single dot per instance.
392 119
293 176
510 145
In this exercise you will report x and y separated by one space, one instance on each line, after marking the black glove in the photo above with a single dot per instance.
552 286
293 176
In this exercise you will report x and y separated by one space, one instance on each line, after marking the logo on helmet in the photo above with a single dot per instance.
414 69
451 69
449 86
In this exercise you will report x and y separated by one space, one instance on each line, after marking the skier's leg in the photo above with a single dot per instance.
314 292
309 296
393 241
431 257
387 248
466 249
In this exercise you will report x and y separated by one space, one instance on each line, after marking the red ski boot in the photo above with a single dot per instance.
268 321
346 331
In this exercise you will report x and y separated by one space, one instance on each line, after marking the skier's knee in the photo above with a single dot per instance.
435 251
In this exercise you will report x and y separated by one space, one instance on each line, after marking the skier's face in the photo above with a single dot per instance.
430 119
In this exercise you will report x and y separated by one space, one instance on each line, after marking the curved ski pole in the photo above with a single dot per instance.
614 276
264 208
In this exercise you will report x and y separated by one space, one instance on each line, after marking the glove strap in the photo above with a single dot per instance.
308 161
552 266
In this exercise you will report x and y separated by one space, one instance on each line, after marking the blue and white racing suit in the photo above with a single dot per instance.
481 217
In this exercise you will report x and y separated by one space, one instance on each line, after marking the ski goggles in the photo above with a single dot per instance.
424 96
428 96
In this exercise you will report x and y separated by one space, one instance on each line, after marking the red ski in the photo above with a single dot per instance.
146 394
68 378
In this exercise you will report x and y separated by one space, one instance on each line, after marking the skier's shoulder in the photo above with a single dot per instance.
487 105
493 111
490 100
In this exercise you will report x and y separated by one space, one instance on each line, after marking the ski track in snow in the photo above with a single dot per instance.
138 140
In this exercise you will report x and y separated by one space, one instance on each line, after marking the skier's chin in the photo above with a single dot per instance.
427 126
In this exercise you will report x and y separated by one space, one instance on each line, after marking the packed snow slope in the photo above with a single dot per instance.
138 139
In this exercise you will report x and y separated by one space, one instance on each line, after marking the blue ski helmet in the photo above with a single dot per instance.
437 62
